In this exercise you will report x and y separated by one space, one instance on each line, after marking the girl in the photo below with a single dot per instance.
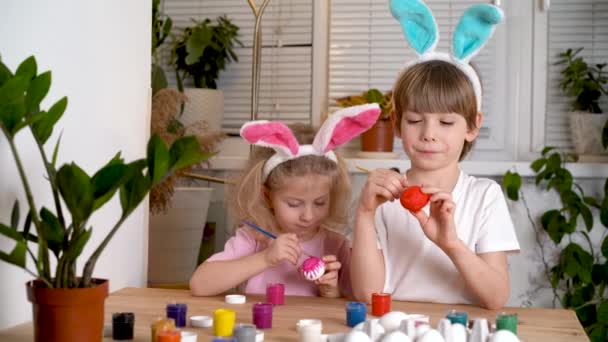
455 249
299 193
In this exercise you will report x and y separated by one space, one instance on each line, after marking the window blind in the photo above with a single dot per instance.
572 24
286 70
368 49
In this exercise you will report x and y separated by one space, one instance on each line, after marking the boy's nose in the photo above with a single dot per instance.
428 133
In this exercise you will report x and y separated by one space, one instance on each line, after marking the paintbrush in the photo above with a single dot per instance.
265 232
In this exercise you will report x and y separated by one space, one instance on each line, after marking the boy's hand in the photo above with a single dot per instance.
382 185
328 283
285 247
439 225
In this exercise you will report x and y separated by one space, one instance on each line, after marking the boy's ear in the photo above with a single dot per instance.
474 132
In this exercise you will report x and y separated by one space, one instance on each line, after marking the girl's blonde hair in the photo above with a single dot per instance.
249 196
435 87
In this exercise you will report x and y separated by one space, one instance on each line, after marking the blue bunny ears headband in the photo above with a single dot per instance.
474 29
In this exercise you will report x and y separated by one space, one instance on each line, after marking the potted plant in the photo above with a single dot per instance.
178 204
380 137
585 84
161 28
199 54
68 306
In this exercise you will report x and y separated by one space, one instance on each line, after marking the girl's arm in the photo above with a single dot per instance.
486 275
214 277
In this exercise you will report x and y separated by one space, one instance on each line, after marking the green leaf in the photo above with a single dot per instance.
77 245
598 332
604 212
158 159
591 201
602 312
134 191
14 89
77 192
587 216
587 314
512 183
577 262
52 230
28 68
554 162
5 73
11 116
38 89
599 274
605 247
106 181
605 135
43 128
538 164
10 232
159 79
56 152
185 152
553 222
556 275
15 215
17 256
547 150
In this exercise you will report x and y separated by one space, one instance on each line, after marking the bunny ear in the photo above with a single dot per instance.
417 23
344 125
474 29
275 135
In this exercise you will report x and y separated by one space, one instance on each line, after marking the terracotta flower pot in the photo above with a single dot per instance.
68 315
379 138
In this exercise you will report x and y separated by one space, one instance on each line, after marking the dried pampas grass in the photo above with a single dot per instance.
166 107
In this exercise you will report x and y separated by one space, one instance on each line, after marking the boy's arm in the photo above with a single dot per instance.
214 277
486 275
367 261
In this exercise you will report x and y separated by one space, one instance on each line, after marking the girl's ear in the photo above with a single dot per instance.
474 29
417 23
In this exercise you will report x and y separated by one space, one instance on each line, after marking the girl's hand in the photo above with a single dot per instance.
285 247
382 185
439 225
328 283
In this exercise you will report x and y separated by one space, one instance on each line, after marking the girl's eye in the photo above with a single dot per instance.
292 205
320 204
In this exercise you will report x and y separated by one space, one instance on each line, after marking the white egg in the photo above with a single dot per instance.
503 336
391 320
431 336
396 336
357 336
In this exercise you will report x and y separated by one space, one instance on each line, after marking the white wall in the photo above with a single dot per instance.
99 54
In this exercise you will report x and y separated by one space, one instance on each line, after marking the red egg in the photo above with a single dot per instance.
413 199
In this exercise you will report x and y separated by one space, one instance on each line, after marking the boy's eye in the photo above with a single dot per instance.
412 121
447 123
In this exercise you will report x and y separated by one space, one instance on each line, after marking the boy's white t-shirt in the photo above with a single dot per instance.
416 269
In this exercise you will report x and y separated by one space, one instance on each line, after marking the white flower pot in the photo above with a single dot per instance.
175 236
586 132
204 104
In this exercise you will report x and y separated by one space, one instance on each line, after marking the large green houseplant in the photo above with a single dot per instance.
161 28
199 53
585 84
62 232
380 137
579 277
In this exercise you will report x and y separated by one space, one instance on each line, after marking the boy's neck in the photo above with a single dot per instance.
444 179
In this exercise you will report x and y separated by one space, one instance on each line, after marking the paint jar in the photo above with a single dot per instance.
223 322
223 339
178 312
245 333
275 293
262 315
309 330
168 336
381 304
161 324
355 313
459 317
122 325
505 321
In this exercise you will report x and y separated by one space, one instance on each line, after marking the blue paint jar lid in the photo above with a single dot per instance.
356 307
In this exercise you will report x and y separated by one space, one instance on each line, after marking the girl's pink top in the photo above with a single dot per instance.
323 243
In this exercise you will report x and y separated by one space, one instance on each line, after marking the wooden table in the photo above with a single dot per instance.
535 324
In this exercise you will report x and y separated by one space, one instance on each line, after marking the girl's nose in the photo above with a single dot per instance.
307 214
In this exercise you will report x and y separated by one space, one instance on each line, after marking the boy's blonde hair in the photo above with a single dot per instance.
435 87
249 197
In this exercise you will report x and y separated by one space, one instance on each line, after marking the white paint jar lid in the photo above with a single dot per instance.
188 336
235 299
201 321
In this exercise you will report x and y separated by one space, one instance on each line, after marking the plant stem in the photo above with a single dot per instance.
540 245
51 173
45 271
90 264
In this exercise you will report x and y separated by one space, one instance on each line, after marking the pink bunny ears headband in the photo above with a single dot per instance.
340 128
474 29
